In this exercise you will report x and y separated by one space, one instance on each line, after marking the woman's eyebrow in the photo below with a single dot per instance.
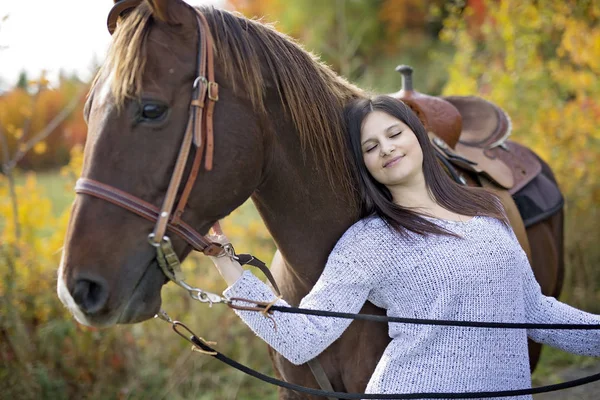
389 128
368 140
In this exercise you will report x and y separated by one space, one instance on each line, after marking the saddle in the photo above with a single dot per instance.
471 133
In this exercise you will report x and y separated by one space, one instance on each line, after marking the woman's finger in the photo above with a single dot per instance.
217 228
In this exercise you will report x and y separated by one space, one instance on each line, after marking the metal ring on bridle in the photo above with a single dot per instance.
154 243
200 79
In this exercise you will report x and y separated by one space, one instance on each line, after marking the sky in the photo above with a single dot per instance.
53 35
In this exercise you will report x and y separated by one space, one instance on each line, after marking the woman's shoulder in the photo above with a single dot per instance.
365 235
357 249
495 225
364 229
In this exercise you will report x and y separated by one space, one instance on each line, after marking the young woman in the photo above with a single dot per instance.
424 248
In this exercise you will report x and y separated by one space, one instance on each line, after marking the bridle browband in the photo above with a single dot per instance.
199 133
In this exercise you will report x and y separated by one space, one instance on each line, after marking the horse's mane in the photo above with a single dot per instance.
311 93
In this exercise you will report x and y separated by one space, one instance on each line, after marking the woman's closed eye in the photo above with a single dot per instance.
368 150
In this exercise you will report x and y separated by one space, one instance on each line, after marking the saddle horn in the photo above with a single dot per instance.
437 115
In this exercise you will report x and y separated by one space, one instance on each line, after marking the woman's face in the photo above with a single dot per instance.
391 151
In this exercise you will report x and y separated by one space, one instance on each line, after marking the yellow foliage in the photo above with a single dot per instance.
35 249
581 43
23 115
40 148
73 169
541 63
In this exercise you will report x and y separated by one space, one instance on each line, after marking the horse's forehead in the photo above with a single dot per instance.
169 49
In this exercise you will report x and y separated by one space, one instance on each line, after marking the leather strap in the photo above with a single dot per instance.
193 133
319 373
248 259
141 208
212 91
196 117
199 129
165 212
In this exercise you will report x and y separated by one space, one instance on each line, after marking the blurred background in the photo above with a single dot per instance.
538 60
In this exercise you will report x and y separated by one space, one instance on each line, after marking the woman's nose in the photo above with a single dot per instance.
386 149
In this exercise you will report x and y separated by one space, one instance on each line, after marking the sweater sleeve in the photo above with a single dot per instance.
543 309
343 286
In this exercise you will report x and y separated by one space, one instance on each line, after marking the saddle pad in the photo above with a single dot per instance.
538 200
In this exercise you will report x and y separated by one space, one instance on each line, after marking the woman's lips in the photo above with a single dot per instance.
392 162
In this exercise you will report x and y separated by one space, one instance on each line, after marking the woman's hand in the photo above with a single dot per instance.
229 268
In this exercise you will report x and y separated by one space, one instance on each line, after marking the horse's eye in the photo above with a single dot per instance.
153 111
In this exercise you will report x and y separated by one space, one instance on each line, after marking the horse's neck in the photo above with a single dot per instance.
300 208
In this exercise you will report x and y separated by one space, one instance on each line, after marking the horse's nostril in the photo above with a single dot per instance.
90 295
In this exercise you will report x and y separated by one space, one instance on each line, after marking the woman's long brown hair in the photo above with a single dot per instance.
376 199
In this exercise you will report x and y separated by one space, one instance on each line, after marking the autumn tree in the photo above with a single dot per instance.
23 81
362 40
47 121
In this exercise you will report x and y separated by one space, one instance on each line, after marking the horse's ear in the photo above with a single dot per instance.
163 10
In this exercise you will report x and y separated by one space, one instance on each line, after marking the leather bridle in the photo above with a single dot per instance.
199 134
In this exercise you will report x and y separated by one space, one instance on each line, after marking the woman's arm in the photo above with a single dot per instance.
343 286
542 309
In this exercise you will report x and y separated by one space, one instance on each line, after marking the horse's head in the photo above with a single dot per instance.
137 113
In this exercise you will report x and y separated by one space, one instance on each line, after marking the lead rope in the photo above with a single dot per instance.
203 346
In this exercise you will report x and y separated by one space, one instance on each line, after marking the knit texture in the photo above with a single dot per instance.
483 275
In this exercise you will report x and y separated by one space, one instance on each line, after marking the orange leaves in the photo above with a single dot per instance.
23 115
399 15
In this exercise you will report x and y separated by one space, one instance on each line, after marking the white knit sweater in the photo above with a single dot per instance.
482 276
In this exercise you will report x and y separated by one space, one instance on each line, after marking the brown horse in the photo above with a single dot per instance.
279 139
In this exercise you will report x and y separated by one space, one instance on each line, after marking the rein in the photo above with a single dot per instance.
202 346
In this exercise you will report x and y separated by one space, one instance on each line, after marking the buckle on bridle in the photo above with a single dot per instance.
210 87
167 258
214 85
